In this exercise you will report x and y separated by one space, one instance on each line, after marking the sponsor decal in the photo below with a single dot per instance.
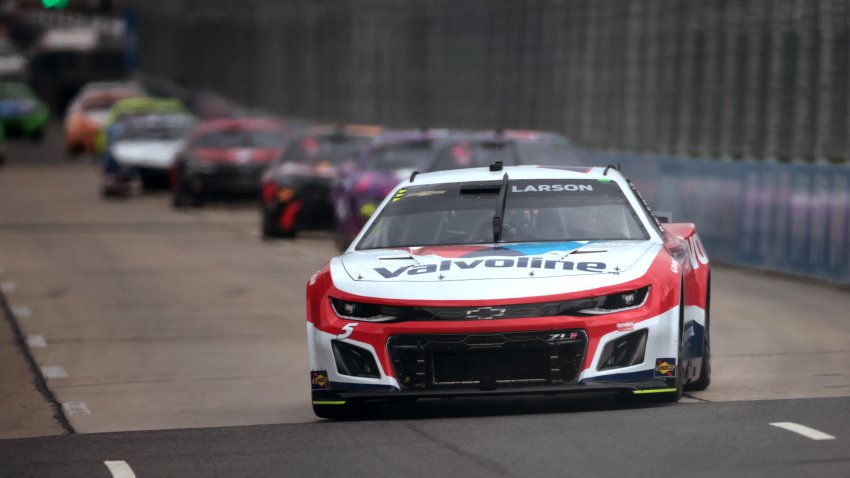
625 326
665 367
347 330
319 380
554 188
593 267
674 266
313 278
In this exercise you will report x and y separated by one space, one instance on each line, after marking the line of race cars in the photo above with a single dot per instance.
472 262
322 177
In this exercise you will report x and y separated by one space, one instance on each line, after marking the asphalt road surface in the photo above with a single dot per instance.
136 337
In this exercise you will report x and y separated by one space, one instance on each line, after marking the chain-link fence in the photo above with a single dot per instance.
719 78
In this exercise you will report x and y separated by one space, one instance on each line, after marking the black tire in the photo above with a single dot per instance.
270 231
73 151
184 198
704 379
179 201
267 231
112 193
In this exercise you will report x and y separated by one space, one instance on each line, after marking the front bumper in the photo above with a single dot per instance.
552 355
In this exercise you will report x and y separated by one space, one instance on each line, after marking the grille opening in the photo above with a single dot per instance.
487 361
490 366
626 351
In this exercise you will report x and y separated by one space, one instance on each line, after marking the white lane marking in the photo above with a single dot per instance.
21 311
75 408
120 469
36 341
7 286
804 430
54 371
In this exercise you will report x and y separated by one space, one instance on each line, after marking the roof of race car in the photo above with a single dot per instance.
240 124
514 172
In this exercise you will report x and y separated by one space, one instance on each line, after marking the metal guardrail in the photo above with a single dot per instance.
790 218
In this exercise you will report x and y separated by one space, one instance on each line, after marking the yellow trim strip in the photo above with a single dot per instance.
328 402
654 390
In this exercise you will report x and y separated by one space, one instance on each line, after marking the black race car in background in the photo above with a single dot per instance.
296 190
226 157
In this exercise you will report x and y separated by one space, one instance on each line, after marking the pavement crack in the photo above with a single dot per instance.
486 463
37 377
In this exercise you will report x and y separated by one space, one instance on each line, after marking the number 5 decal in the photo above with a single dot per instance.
347 330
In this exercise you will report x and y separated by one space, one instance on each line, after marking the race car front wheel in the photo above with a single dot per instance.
270 230
704 379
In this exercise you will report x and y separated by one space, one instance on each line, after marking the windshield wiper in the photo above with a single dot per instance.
498 217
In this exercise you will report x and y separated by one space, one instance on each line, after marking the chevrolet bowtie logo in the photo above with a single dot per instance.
485 313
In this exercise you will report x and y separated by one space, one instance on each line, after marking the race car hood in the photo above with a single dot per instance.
155 154
497 271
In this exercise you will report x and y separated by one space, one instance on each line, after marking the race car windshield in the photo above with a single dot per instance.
408 155
466 154
335 149
535 211
241 138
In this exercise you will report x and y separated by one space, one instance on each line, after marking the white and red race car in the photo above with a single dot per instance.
510 281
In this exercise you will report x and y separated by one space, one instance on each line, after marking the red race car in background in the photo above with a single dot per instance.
226 157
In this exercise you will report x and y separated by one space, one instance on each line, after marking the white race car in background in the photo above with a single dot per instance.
142 149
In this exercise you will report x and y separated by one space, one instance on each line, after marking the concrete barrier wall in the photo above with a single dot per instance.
784 217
